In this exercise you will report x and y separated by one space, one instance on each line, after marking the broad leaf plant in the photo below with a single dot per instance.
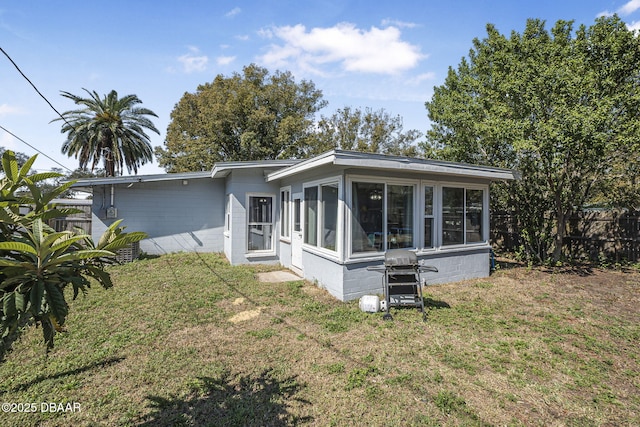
37 263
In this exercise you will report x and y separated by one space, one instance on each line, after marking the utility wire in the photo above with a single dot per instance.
34 86
26 143
46 100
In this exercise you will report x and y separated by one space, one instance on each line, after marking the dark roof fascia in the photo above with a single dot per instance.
118 180
355 159
223 169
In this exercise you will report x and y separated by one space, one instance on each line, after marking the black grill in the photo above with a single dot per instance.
400 258
402 282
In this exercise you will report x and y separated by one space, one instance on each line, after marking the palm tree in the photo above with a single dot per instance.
111 129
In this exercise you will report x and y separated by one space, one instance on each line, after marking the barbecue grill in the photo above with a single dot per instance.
401 280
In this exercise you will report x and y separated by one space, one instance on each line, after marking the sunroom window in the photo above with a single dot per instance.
321 215
462 215
382 216
428 217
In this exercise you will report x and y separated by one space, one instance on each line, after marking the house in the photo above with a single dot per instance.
326 218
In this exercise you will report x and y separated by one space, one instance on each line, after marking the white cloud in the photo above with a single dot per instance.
193 62
634 26
233 12
7 141
225 60
399 24
380 51
627 9
421 78
6 109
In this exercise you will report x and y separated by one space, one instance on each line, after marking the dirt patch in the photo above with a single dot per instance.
243 316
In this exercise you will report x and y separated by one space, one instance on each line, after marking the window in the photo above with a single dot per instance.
462 215
296 215
452 216
311 215
329 216
428 217
227 213
260 223
366 224
474 201
382 216
399 216
285 211
321 215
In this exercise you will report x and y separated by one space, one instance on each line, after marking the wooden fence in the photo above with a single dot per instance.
592 235
80 220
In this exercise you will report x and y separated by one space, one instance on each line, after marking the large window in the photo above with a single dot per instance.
474 218
462 215
311 215
321 215
399 216
367 217
382 217
260 223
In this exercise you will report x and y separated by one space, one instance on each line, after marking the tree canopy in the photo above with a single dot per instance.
248 116
367 131
110 129
562 106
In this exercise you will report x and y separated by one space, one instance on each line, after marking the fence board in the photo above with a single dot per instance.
592 235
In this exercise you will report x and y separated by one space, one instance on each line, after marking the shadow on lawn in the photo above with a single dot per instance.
430 303
231 400
89 367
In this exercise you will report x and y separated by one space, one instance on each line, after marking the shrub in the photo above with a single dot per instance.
36 262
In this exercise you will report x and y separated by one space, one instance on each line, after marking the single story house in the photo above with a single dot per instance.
326 218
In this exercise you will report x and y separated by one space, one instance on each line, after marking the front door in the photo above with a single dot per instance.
296 232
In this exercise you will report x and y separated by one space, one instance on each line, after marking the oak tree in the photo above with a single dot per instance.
248 116
561 106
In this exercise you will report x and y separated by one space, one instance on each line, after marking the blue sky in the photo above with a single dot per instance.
381 55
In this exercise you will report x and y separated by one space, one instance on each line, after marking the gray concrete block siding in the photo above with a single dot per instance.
187 212
177 217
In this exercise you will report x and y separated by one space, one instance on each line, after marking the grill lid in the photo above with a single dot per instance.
400 257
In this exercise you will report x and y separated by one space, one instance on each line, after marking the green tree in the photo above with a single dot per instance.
110 129
367 131
560 106
248 116
21 158
37 264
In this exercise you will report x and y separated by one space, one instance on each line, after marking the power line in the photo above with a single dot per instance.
46 100
34 86
26 143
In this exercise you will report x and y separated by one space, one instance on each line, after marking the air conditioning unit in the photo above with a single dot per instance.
129 253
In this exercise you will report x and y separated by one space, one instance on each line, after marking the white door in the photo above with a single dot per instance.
296 232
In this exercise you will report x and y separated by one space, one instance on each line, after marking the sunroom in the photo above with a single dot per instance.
339 212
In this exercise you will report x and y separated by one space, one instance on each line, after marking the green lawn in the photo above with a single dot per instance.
186 339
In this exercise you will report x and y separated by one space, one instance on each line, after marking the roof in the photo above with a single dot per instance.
129 179
355 159
222 169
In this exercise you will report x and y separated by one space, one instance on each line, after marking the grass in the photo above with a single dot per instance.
186 339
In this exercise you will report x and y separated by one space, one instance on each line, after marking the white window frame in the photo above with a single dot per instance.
434 216
272 223
418 207
334 254
485 214
227 215
285 224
